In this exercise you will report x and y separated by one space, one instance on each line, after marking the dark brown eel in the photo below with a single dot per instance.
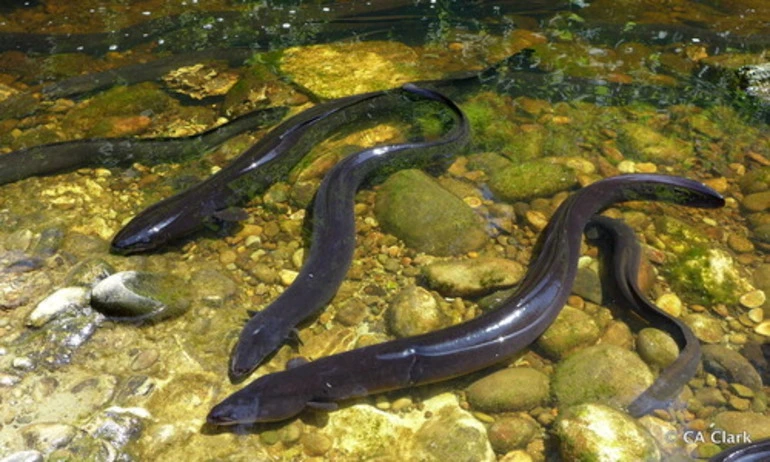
48 159
621 259
333 240
266 162
755 451
473 345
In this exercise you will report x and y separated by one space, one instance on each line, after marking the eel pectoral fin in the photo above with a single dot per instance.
231 214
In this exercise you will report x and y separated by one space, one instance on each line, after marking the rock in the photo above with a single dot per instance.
762 232
641 142
414 311
572 329
757 202
600 433
451 435
88 272
511 432
735 423
710 397
416 209
49 242
469 278
213 287
706 274
315 444
45 437
363 432
512 389
588 284
670 303
118 426
351 312
705 327
526 180
68 298
602 373
662 431
756 180
24 456
656 347
358 67
730 365
134 296
753 299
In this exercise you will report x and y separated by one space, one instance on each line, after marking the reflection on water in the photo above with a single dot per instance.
572 92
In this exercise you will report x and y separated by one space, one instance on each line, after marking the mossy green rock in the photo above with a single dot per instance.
656 347
593 432
469 278
702 273
137 295
448 436
512 389
428 218
603 373
121 101
571 329
755 181
511 432
641 142
531 179
735 423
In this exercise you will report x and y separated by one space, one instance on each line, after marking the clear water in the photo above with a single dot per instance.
598 89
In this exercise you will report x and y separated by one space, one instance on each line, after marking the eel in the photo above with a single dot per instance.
621 267
756 451
333 238
467 347
48 159
267 161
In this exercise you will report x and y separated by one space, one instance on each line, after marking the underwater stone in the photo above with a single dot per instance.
571 329
706 328
46 437
133 296
451 434
703 273
641 142
601 433
757 202
656 347
62 300
468 278
213 287
512 389
24 456
755 181
730 365
428 218
526 180
755 424
88 272
603 373
511 432
414 311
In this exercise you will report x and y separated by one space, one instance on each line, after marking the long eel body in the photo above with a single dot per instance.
333 239
257 168
618 242
53 158
470 346
756 451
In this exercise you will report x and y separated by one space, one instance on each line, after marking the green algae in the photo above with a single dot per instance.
531 179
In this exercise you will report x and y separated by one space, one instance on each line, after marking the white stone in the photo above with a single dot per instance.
62 300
